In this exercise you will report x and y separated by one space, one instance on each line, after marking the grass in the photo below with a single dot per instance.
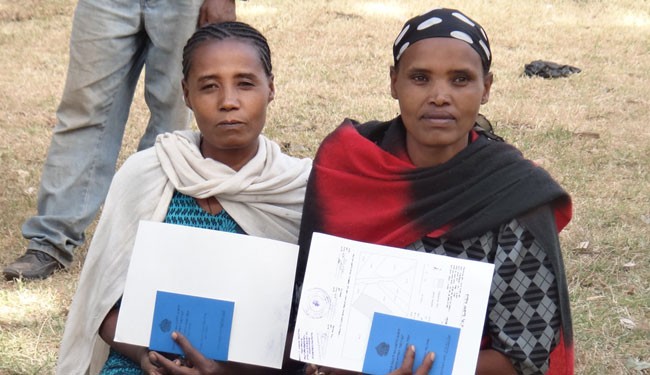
331 60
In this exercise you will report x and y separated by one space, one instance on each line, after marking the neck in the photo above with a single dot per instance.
235 158
426 157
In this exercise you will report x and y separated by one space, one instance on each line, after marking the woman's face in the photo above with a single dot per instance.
440 86
228 91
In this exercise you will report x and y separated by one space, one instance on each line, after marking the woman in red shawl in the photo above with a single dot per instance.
431 180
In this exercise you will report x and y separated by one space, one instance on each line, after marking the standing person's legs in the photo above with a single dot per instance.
169 24
106 58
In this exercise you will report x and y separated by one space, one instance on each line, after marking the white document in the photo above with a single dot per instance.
257 274
347 281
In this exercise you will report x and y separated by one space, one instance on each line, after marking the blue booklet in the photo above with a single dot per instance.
205 322
390 336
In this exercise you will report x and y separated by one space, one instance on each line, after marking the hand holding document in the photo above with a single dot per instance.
362 304
230 294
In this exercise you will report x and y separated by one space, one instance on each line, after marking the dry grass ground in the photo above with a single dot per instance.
331 61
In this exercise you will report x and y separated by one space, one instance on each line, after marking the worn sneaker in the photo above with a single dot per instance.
33 265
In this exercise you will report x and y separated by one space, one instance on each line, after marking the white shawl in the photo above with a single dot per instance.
265 198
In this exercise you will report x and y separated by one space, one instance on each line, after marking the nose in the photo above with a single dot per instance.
229 99
439 94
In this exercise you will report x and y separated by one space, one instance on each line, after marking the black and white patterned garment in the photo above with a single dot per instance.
523 319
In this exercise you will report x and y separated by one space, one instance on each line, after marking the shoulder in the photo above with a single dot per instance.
536 222
373 130
539 220
531 235
279 160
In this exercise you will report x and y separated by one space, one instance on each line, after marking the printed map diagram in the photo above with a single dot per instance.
347 283
391 285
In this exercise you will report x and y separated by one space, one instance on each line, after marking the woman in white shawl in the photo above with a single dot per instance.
227 177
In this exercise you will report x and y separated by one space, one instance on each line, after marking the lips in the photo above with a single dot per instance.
438 116
230 122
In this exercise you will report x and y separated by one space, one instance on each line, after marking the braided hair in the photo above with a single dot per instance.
223 31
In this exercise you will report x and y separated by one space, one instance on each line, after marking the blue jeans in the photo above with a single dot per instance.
111 42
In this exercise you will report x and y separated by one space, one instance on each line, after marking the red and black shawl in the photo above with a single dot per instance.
364 187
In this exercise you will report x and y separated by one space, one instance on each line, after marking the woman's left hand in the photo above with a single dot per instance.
195 363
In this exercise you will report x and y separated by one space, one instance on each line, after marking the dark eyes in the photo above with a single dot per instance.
461 79
419 78
244 84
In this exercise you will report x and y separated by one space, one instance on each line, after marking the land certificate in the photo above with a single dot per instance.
349 284
255 274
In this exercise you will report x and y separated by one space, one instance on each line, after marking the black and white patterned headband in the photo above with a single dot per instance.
444 23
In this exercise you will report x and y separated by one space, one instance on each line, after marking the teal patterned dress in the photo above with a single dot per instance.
183 210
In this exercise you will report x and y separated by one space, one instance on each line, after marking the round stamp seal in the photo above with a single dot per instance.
316 303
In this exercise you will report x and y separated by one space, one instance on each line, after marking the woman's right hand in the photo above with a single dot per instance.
409 359
405 369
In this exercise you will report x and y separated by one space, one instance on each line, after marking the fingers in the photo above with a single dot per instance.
166 366
409 358
426 365
311 369
192 355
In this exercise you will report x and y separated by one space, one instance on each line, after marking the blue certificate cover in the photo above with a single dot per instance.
205 322
391 335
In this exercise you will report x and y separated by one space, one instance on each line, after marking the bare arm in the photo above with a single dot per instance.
493 362
137 354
